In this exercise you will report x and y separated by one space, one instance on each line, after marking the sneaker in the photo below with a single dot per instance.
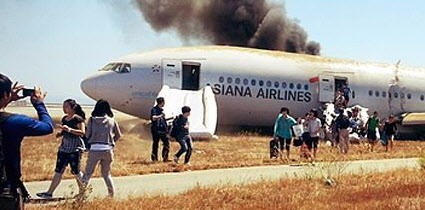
176 159
187 164
44 195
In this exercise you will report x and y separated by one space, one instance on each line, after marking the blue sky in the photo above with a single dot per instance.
55 44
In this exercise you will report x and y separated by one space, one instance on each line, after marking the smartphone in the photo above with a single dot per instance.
27 92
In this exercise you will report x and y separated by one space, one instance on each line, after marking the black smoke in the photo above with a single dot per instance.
247 23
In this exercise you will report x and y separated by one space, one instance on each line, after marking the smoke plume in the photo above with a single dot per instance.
247 23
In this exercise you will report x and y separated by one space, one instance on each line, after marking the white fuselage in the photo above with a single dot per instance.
252 85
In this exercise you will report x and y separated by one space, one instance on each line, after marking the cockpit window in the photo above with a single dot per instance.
117 67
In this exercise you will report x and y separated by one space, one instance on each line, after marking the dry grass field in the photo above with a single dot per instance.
392 190
132 152
132 155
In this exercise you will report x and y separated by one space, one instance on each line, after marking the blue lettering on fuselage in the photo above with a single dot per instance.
264 93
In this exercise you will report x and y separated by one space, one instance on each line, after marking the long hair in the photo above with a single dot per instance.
76 107
101 109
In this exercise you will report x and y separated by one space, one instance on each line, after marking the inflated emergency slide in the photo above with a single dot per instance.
203 115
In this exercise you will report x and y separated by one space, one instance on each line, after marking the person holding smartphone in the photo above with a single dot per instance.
14 127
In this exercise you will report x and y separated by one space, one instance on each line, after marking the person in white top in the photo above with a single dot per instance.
314 126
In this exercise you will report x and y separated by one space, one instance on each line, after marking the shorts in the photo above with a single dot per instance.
312 142
64 158
371 135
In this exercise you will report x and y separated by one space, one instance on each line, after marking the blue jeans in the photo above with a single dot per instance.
185 146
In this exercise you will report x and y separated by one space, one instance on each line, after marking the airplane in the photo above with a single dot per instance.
251 85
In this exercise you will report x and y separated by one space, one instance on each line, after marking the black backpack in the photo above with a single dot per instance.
9 198
174 128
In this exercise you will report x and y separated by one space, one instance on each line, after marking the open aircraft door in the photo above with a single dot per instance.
326 88
172 73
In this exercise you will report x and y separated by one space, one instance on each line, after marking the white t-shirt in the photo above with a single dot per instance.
314 127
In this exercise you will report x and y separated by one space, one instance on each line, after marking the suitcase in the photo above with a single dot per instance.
274 148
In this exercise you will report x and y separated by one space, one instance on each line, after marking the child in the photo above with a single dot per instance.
72 131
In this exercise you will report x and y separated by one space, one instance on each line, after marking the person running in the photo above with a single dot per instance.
102 133
181 133
390 128
14 127
372 124
159 131
71 147
283 130
314 126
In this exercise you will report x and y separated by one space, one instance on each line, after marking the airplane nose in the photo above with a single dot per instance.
88 86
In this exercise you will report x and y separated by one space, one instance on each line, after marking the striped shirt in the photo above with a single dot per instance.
70 142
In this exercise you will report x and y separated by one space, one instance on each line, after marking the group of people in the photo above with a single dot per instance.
309 136
179 131
305 132
97 137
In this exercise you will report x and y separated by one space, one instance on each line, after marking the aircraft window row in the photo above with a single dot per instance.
117 67
395 95
261 83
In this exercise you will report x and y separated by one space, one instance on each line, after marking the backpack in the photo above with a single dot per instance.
174 128
9 199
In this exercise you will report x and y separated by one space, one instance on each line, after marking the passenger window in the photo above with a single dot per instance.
402 95
370 93
269 84
237 81
291 85
305 87
276 84
253 82
245 81
377 93
422 97
261 83
409 96
389 95
299 86
384 94
229 80
221 79
283 84
395 95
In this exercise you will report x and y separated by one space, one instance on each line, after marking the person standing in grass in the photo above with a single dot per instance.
283 130
372 126
181 133
13 129
314 126
390 129
102 133
159 131
71 147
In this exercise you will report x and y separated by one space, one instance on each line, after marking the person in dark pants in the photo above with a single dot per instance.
159 131
182 135
14 127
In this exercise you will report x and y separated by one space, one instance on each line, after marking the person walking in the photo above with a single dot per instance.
283 130
314 126
372 125
390 128
71 147
159 131
102 133
181 133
